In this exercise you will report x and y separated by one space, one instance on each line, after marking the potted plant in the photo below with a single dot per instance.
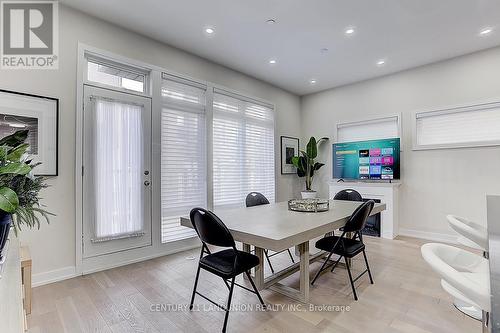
306 166
19 188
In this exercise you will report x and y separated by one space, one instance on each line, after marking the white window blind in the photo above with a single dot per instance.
477 125
243 149
381 128
183 154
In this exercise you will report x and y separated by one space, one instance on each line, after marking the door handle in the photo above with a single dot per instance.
147 183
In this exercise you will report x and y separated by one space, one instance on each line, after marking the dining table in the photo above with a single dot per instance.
274 227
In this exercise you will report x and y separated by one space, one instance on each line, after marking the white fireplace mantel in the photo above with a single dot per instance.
385 192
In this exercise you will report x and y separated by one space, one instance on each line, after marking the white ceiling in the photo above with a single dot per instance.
406 33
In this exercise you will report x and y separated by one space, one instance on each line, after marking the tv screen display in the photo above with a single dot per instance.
367 160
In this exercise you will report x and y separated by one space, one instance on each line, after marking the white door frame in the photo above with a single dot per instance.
156 249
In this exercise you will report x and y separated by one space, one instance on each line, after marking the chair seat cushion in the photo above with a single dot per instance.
222 263
346 247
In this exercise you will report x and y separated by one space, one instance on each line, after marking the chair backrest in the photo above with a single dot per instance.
358 218
256 199
210 228
349 195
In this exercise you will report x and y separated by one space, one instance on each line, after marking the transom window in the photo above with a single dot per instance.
116 75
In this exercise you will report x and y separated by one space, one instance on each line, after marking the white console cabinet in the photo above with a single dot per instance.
385 192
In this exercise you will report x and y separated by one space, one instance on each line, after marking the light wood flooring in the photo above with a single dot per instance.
406 297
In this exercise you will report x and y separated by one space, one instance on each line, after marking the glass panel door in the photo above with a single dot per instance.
116 174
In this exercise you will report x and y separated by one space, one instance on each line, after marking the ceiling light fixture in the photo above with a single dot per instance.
271 21
381 62
324 50
272 61
349 31
485 31
313 81
209 31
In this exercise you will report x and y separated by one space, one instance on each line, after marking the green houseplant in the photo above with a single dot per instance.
306 165
19 188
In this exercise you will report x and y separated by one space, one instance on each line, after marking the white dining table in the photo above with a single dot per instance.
274 227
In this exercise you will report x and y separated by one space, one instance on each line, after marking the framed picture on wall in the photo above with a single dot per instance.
39 115
289 149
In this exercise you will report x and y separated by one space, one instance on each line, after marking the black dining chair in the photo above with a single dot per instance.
257 199
346 247
348 195
226 264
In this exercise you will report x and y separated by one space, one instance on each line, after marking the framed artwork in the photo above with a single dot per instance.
289 149
39 115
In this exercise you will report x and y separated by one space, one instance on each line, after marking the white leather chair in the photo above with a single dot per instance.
475 236
471 234
464 275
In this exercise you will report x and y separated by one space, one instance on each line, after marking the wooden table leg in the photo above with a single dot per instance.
304 271
259 270
246 248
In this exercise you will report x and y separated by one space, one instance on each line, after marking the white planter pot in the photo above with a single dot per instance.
308 194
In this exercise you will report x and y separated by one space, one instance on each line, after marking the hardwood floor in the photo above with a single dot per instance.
406 297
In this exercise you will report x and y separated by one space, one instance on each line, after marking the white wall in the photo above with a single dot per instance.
435 183
53 246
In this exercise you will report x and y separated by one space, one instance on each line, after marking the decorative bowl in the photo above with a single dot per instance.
309 205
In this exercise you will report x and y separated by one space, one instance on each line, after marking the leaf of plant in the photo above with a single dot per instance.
295 161
16 168
312 148
302 164
15 139
318 165
8 200
3 152
323 139
16 153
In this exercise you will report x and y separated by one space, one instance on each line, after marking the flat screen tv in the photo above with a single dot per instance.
367 160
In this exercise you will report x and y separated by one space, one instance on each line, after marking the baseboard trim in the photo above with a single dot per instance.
146 257
40 279
69 272
433 236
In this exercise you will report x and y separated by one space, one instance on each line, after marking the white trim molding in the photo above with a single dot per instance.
56 275
429 235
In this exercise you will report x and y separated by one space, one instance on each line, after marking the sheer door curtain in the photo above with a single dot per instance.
118 157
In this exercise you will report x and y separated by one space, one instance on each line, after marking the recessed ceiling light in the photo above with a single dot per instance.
485 31
313 81
381 62
271 21
209 31
272 61
349 31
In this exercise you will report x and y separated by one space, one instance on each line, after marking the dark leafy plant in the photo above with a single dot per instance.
19 188
305 164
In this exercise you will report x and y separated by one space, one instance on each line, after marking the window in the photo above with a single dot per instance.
116 75
243 149
471 126
183 154
373 129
